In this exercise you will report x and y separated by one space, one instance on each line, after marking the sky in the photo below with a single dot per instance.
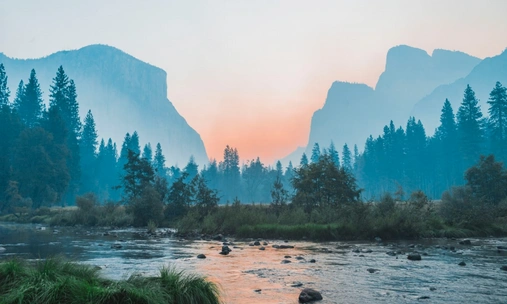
250 74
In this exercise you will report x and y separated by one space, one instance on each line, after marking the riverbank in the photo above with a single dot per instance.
55 281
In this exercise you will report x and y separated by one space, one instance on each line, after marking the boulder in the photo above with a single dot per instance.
217 237
257 243
287 257
265 243
286 262
225 250
308 295
414 257
391 253
300 258
462 263
262 248
201 256
372 270
313 261
465 242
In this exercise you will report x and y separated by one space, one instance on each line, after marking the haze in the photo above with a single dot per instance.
250 74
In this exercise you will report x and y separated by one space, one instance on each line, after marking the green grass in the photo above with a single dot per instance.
57 281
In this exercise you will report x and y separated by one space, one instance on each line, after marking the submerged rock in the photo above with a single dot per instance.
286 262
308 295
391 253
372 270
504 268
462 263
116 246
285 247
414 257
465 242
296 284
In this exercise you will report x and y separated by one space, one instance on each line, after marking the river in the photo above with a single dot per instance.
344 272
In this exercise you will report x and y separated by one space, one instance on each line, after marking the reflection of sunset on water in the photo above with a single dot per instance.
246 270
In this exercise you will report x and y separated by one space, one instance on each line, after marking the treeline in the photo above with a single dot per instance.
403 160
48 155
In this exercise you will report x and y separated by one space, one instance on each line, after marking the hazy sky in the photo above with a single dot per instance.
251 73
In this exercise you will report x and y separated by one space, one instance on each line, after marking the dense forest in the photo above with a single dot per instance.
49 156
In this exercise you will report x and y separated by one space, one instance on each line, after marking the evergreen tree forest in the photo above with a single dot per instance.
51 156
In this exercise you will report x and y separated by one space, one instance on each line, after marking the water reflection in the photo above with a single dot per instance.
340 271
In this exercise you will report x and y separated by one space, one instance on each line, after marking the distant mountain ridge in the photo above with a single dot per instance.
482 79
125 94
353 111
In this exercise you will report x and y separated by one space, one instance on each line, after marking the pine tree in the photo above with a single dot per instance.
333 154
315 153
356 157
303 161
446 150
279 169
20 92
347 158
5 93
122 160
30 106
159 162
231 173
191 169
63 98
470 128
148 153
134 143
498 120
88 153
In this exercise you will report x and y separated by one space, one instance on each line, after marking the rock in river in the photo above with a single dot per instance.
225 250
504 268
286 261
308 295
414 257
201 256
462 263
465 242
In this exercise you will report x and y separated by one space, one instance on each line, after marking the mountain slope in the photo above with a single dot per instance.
124 94
482 79
354 111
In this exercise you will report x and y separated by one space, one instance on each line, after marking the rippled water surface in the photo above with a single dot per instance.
345 272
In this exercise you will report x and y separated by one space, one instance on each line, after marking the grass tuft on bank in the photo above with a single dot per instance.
54 281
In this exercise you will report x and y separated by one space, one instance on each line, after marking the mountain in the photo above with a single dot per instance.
125 95
353 111
482 79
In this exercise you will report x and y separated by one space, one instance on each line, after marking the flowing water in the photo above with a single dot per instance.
344 272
